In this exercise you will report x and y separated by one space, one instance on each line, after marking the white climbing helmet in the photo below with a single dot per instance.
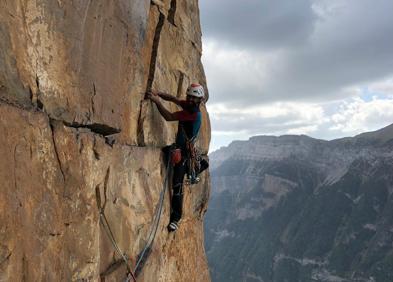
195 90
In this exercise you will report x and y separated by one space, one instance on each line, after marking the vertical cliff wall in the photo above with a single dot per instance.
73 122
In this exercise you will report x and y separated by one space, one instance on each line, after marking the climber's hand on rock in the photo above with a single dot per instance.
148 94
152 96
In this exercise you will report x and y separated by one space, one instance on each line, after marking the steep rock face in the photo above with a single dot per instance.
294 208
74 124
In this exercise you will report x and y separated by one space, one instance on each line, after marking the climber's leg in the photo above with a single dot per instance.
177 194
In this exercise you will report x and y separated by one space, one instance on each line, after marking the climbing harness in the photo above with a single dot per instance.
108 230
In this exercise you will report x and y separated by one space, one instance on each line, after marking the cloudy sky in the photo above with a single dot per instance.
318 67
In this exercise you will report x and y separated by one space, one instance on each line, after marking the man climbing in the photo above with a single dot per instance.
189 119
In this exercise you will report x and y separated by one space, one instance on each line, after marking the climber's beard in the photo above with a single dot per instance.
193 101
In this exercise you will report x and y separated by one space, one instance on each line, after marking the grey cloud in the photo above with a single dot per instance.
258 23
355 48
352 46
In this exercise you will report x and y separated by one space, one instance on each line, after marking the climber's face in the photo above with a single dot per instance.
193 100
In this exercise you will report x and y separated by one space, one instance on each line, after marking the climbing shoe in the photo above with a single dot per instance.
192 180
173 226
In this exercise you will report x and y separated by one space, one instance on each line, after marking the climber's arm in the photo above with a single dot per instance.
168 97
168 116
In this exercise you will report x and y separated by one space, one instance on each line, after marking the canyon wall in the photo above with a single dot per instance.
295 208
75 128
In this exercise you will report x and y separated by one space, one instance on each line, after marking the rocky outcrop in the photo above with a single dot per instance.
74 125
294 208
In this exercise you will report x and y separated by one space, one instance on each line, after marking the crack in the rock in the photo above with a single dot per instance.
106 183
35 96
99 128
93 110
3 88
157 3
14 175
24 268
31 95
96 153
103 129
152 68
51 125
14 170
34 105
12 15
140 133
101 206
37 106
54 234
37 82
90 127
82 145
110 140
172 12
153 57
40 105
6 258
180 85
196 46
16 104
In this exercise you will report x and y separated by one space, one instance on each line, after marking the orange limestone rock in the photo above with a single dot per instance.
74 129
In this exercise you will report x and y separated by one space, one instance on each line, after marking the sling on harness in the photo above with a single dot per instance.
193 158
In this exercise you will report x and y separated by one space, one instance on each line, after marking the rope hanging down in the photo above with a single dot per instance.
142 258
131 274
110 235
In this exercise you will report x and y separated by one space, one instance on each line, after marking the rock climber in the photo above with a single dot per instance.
190 119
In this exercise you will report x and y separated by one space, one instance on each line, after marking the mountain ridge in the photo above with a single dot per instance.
235 148
294 208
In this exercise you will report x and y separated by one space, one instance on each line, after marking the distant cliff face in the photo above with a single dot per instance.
293 208
74 124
